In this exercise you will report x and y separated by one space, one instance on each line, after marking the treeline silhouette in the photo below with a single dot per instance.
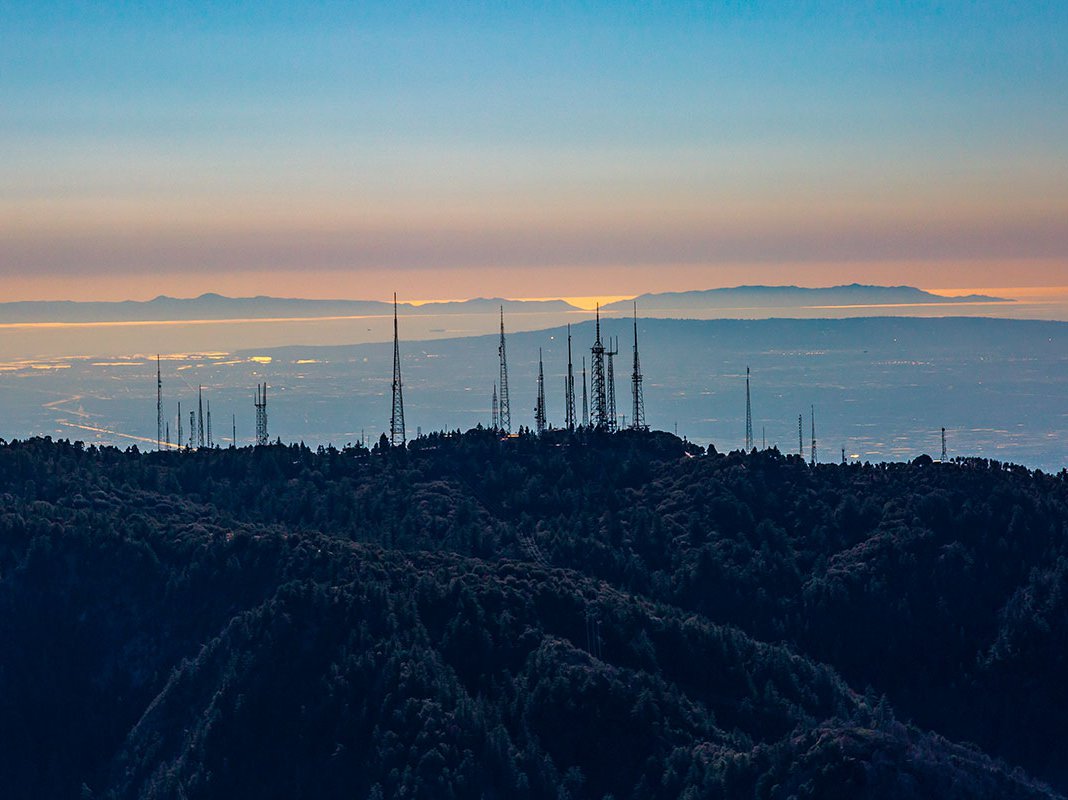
571 615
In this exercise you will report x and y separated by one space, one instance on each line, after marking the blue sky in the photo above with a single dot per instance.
270 144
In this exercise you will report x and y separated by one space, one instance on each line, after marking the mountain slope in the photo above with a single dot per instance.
283 623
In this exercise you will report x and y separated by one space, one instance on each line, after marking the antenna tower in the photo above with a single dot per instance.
569 388
599 412
496 410
168 433
192 429
613 418
748 415
637 415
179 425
506 409
585 397
261 414
200 416
396 420
800 438
159 405
233 430
843 457
813 454
944 459
210 442
539 408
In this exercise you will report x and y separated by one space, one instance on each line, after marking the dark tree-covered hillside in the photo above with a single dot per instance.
572 615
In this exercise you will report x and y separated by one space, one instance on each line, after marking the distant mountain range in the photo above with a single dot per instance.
216 306
854 294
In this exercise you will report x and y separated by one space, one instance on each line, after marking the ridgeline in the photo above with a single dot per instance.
571 615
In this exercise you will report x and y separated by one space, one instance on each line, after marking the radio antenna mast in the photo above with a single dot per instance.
396 420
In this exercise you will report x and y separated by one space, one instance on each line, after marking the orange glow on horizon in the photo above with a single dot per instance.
581 286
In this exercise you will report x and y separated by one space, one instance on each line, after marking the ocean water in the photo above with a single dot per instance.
25 342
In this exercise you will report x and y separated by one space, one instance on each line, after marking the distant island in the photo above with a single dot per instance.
854 294
213 306
216 306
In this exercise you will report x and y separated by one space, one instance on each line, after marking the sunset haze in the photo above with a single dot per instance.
556 149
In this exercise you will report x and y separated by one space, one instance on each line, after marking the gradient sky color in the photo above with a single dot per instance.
457 149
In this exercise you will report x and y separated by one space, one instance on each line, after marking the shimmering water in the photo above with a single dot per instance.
23 341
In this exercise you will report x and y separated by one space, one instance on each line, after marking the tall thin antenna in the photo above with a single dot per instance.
506 407
192 429
179 425
610 384
585 397
944 459
843 457
800 438
261 414
233 430
813 435
496 419
159 404
748 415
396 420
599 412
211 442
200 416
539 408
637 415
168 434
569 388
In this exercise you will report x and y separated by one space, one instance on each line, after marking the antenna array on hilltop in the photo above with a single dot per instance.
539 406
506 408
599 413
200 416
569 388
261 414
748 415
610 384
159 404
637 395
396 420
585 397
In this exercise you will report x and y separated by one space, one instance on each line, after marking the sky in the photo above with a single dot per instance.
450 150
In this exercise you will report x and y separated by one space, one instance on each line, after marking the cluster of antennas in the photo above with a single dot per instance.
200 432
603 415
599 410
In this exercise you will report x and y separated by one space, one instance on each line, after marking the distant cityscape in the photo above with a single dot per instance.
866 388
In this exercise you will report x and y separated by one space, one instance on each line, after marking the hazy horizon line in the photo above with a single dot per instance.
583 302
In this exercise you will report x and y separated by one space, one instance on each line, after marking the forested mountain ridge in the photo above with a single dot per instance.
575 615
